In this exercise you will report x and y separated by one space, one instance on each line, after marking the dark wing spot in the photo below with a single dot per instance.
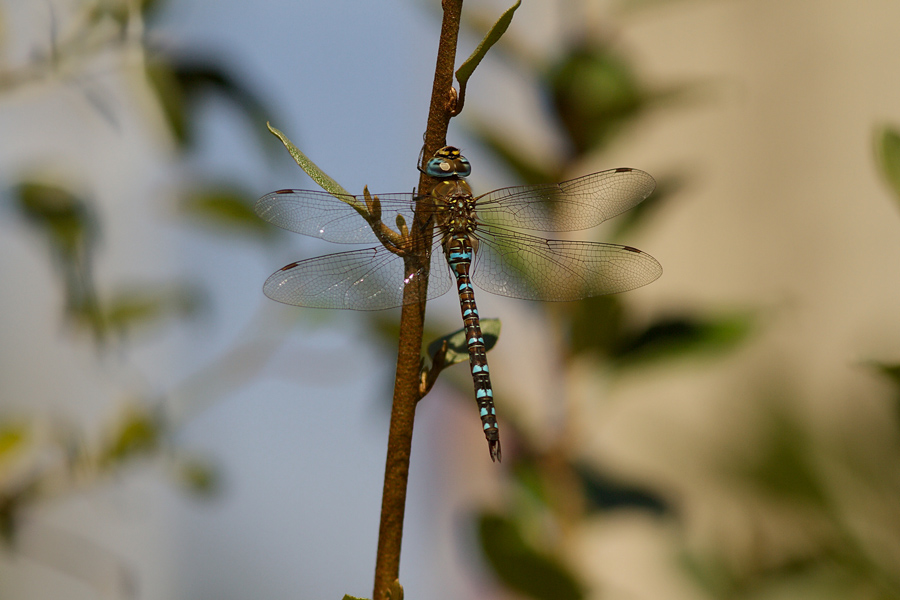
630 249
283 192
290 266
624 170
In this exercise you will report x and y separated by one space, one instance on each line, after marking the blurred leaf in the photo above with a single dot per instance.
180 81
710 573
227 208
63 216
604 493
309 167
120 10
142 306
492 37
628 221
9 510
596 324
349 597
784 468
675 337
594 91
12 437
527 171
527 475
205 75
457 347
198 477
169 92
520 566
890 370
71 232
889 157
138 432
12 505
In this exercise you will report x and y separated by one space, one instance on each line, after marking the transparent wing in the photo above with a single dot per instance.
533 268
323 215
368 279
572 205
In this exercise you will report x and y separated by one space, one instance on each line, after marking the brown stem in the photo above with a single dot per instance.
412 322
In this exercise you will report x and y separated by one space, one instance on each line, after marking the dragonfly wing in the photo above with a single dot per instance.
533 268
329 217
368 279
572 205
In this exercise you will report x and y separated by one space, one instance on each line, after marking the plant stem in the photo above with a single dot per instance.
412 323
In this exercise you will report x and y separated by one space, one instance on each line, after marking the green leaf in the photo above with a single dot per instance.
119 11
526 170
198 477
349 597
594 93
169 90
140 306
13 437
785 465
606 493
666 187
521 567
139 432
458 349
493 36
64 216
227 208
889 370
180 83
205 75
396 591
889 157
675 337
318 175
71 231
892 372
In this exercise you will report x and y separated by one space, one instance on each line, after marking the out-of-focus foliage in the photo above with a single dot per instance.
603 493
65 218
681 336
39 461
121 10
594 92
86 46
71 229
226 207
888 151
180 83
521 566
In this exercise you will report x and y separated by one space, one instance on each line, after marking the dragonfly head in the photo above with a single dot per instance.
448 162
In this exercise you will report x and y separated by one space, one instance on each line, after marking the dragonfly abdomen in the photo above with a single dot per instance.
459 256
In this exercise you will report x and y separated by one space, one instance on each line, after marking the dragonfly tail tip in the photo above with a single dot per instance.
494 448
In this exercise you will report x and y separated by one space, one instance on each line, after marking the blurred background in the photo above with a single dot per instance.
730 431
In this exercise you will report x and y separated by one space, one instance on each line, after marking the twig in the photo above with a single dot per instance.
412 321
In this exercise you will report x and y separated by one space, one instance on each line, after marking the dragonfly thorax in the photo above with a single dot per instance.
455 207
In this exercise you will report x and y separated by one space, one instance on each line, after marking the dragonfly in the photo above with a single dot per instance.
480 239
